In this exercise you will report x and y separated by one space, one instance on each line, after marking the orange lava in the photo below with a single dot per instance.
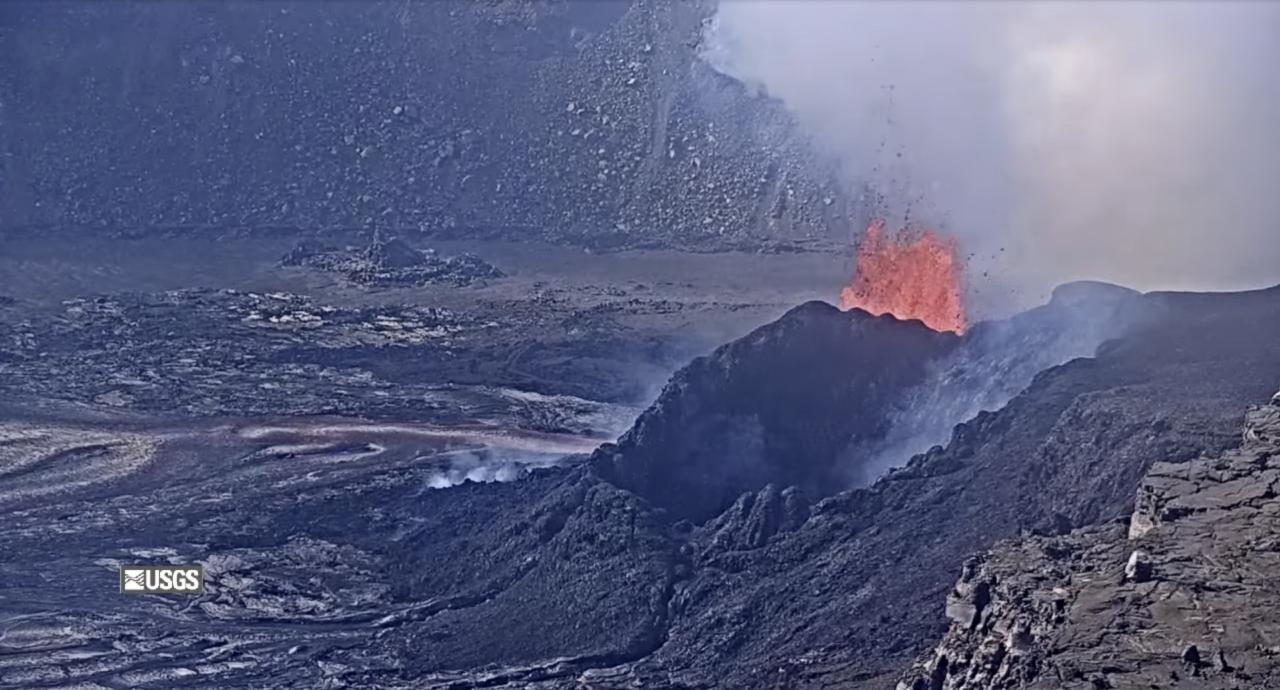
915 275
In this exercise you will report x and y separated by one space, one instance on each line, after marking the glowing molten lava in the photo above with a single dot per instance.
911 276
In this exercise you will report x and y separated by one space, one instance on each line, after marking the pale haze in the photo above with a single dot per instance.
1130 142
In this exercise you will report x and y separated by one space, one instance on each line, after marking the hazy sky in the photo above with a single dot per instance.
1132 142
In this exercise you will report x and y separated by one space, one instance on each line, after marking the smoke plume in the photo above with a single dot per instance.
1130 142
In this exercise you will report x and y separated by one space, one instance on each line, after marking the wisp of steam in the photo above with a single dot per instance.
1131 142
486 465
996 361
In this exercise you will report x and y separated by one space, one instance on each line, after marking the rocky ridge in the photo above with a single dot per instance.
759 410
1182 594
392 263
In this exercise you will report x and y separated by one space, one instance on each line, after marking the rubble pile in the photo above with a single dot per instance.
392 263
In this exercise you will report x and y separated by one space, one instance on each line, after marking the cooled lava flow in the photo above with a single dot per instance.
913 275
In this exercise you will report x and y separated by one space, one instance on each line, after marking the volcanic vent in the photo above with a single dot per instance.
915 274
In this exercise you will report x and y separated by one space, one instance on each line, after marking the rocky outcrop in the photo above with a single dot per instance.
1182 595
826 400
392 262
757 517
776 407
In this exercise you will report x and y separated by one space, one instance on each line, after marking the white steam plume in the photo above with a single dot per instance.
486 465
1132 142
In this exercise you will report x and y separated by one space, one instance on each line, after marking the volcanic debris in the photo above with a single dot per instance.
596 123
386 263
598 574
1181 595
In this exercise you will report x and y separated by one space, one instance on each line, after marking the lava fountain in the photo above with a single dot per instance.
913 275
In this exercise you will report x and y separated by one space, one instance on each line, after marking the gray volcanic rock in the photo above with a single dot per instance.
563 567
821 399
395 254
204 352
391 262
590 121
856 592
778 406
756 517
1186 599
566 579
995 361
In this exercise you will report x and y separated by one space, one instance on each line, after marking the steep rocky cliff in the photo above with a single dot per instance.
1182 594
587 121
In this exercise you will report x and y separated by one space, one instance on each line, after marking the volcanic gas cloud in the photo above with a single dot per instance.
915 274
